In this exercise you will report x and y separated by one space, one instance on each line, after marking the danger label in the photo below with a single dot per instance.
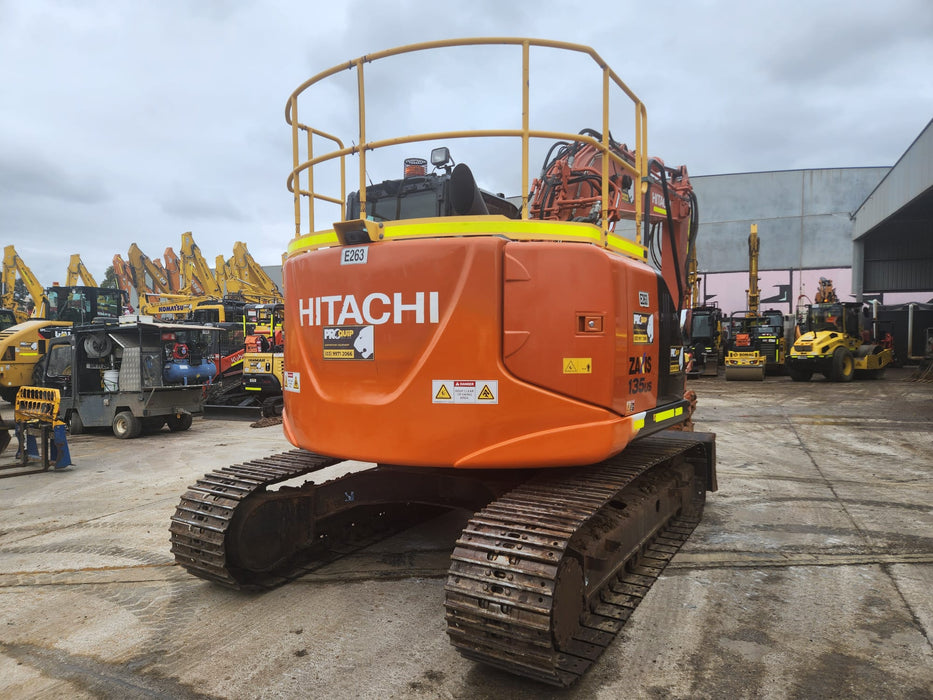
465 391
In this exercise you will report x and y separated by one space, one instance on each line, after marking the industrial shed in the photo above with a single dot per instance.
892 235
870 229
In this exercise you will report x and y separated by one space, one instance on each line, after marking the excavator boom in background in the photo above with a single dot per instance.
196 275
143 269
124 277
524 361
14 265
756 342
77 272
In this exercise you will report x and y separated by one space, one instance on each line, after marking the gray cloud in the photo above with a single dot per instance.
134 122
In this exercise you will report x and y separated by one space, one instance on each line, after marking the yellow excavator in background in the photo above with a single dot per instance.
756 340
78 272
253 280
143 268
14 265
196 277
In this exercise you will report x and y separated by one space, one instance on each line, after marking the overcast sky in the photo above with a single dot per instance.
128 121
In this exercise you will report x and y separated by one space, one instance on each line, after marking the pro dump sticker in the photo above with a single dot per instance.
643 328
465 391
292 382
348 343
677 360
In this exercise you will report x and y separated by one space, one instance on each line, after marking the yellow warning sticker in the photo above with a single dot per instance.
578 365
465 391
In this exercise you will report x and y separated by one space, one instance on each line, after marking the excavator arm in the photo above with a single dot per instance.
172 269
123 273
12 265
570 189
195 270
143 269
246 269
754 294
77 271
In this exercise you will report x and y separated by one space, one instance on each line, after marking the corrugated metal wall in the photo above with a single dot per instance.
899 260
804 217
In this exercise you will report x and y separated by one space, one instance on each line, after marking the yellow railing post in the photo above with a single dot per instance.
296 159
526 78
310 182
362 103
604 194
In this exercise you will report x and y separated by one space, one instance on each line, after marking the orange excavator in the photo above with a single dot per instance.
523 359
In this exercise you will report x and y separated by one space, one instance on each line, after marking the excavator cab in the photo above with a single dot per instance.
82 305
420 194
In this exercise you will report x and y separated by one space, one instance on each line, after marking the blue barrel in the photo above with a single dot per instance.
184 373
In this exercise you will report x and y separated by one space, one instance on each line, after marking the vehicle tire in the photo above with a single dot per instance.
843 366
75 424
8 393
126 425
179 423
799 374
152 425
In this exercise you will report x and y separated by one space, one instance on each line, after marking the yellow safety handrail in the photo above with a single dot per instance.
305 167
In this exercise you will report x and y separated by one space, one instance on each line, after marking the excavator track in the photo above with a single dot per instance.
230 529
540 582
543 577
202 520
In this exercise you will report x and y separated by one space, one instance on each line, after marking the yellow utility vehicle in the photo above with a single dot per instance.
835 342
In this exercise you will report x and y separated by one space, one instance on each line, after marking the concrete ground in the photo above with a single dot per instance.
811 575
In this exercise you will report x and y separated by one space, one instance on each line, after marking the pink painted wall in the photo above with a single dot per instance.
729 288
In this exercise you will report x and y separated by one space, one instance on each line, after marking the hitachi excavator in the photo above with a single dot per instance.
521 359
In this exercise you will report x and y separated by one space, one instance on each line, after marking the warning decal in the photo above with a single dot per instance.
292 382
485 394
578 365
464 391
